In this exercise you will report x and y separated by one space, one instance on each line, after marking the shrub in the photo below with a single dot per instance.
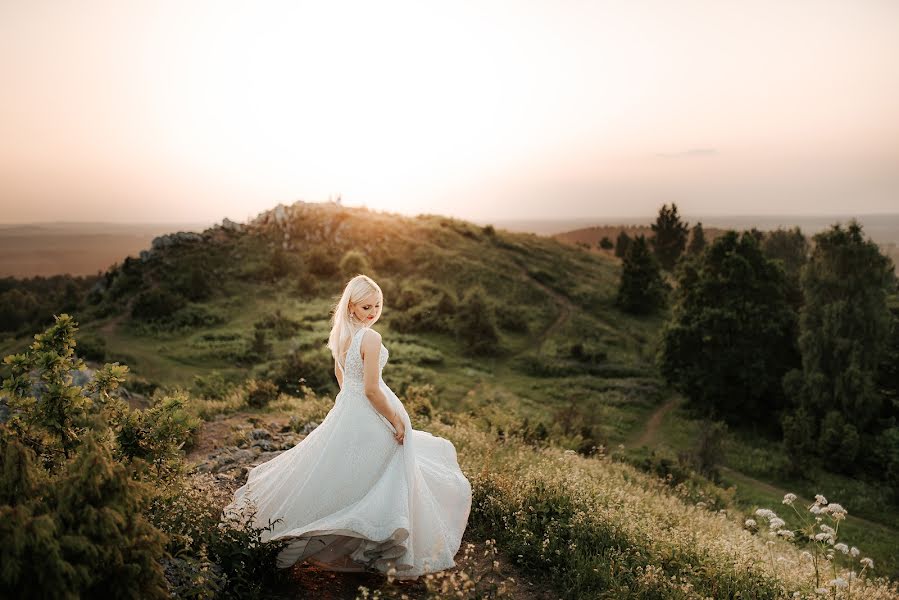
354 263
260 392
476 322
156 304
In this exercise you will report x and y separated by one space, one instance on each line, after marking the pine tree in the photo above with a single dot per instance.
622 243
670 237
697 240
642 289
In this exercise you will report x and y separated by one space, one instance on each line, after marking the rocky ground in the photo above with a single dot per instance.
232 445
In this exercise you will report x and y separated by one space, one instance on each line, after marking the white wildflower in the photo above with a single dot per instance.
789 498
786 534
765 513
819 499
867 562
853 552
751 523
838 582
776 523
836 511
842 548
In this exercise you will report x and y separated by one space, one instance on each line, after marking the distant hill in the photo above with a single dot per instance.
46 249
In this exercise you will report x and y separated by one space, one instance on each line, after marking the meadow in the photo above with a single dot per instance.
582 460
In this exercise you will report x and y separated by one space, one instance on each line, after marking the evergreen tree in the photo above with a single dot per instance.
697 240
605 243
844 330
81 533
622 244
732 333
670 236
642 289
476 322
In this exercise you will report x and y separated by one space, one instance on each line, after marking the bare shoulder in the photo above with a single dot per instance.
371 340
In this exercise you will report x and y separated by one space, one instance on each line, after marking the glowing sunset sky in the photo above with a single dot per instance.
190 111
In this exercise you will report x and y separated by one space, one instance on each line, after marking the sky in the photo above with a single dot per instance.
193 110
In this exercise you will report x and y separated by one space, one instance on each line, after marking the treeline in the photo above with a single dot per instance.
30 303
780 332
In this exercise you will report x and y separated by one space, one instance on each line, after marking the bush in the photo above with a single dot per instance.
156 304
92 347
354 263
476 322
79 533
213 386
260 392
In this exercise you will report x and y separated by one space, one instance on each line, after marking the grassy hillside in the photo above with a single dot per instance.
572 373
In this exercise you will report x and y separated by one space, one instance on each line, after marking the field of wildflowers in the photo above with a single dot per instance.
599 528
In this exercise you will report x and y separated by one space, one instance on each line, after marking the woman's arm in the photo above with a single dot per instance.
338 374
371 347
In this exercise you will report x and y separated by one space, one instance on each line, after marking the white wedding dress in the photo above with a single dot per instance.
351 498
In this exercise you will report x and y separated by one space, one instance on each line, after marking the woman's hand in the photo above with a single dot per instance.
400 427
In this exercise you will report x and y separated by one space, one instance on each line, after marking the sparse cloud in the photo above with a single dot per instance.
692 153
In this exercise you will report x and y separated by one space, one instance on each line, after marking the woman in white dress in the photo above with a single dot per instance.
364 490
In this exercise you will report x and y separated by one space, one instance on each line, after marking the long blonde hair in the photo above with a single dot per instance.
343 325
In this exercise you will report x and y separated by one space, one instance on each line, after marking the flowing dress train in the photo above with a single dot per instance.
351 498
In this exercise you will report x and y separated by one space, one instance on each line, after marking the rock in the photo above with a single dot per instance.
260 434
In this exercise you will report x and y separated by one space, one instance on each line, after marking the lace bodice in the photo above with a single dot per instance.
353 373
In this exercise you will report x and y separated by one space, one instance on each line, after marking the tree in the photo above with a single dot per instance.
844 328
790 248
670 237
476 322
621 244
732 333
642 289
605 243
697 240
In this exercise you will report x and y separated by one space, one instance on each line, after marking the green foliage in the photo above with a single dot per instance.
281 326
80 533
476 322
92 347
315 368
193 282
353 263
844 326
260 392
214 555
321 262
423 306
156 304
213 386
642 289
790 247
622 243
697 240
670 236
157 434
731 337
605 243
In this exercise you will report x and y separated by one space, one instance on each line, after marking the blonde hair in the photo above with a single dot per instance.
343 326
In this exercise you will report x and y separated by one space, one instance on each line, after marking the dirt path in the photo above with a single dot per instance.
651 430
565 306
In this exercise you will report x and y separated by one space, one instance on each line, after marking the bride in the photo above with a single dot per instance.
364 490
